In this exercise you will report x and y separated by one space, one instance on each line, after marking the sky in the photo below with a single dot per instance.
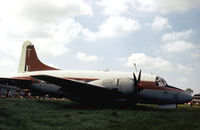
160 36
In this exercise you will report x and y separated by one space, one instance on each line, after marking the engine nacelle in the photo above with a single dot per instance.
124 86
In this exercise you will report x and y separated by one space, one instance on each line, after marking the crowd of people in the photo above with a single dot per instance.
9 93
24 94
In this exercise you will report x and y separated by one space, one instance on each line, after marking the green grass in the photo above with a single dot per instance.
26 114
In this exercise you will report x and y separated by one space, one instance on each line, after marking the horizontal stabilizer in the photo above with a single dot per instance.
14 82
9 87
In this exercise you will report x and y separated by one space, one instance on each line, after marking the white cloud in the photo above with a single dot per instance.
177 35
49 24
53 37
112 27
160 23
177 46
89 35
6 66
120 7
66 31
56 37
114 7
144 5
185 68
47 46
166 6
53 10
37 12
148 62
87 58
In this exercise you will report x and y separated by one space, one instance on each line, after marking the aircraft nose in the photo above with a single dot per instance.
186 97
182 96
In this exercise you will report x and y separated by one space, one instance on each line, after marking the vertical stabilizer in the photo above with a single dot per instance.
29 60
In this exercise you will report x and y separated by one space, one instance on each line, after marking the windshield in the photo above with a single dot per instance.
160 82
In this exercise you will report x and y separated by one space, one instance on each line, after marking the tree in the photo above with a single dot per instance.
189 90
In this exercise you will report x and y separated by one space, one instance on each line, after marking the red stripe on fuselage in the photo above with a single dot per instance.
145 84
152 85
23 78
82 79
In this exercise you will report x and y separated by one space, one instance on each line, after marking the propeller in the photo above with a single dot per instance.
136 85
137 80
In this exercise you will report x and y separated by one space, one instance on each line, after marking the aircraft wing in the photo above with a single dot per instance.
76 87
14 83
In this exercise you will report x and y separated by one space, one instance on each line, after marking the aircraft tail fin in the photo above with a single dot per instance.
29 60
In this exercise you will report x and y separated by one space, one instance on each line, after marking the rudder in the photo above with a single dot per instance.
29 60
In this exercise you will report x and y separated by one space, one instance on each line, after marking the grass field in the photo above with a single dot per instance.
26 114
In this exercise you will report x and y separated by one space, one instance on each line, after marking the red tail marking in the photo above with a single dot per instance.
32 62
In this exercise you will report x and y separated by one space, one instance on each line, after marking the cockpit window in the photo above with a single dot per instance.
160 82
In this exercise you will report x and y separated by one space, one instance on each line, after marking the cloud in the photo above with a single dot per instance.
53 37
145 6
177 46
160 23
43 11
54 40
32 17
51 10
65 31
87 58
167 6
47 46
49 24
112 27
6 66
148 62
121 7
89 35
177 35
185 68
114 7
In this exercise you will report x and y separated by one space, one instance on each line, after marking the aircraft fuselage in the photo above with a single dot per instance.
120 83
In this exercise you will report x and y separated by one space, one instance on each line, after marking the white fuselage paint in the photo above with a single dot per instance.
88 74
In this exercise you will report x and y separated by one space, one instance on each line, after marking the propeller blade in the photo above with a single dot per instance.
135 79
139 76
